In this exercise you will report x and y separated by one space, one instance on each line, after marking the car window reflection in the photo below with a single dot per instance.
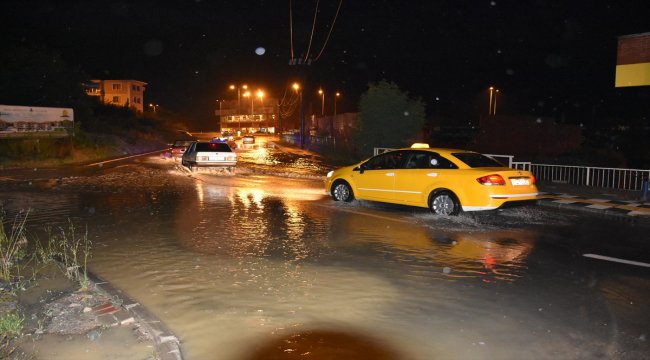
427 160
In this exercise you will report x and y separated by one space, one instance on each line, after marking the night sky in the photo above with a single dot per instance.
544 56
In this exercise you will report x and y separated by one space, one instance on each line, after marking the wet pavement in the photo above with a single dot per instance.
263 265
599 200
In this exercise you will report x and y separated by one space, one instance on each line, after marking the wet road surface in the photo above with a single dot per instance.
255 266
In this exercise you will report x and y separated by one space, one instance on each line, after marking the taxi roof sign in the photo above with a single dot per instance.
420 146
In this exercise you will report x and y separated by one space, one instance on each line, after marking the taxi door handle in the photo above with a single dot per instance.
390 174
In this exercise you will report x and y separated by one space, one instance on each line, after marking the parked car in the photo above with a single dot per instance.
248 139
444 180
228 135
201 153
178 148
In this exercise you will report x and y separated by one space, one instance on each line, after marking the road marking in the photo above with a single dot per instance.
126 157
623 261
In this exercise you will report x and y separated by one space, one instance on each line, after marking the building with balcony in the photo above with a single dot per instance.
128 93
254 115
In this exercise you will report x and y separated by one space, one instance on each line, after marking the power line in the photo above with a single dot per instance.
291 27
307 60
313 26
330 32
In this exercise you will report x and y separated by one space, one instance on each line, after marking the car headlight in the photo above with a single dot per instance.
329 174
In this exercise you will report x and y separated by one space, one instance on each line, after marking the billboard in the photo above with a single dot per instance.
31 121
633 60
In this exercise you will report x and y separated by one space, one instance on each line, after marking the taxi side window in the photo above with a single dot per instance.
390 160
427 160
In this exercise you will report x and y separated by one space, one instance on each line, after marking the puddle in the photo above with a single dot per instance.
113 343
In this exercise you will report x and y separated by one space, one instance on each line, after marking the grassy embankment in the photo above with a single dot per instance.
22 256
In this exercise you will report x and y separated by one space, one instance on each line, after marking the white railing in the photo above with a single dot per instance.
615 178
519 165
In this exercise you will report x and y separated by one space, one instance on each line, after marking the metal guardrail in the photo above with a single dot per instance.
615 178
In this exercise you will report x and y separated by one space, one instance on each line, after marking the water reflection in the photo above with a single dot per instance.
268 158
250 221
491 255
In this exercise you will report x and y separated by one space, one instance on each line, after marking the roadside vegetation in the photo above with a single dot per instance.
22 256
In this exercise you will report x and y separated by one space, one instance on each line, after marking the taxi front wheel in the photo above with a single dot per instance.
444 203
342 192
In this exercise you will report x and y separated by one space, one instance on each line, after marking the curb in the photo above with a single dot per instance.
167 345
603 206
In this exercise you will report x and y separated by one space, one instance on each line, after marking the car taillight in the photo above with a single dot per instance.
489 180
532 179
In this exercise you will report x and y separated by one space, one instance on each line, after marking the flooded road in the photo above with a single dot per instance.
256 266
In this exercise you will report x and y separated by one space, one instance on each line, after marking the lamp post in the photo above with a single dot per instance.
490 103
492 110
247 94
336 96
322 108
297 88
220 102
239 88
260 94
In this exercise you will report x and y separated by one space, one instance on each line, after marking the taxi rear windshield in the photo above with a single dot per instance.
476 160
220 147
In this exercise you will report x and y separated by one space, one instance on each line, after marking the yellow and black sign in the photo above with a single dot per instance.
633 60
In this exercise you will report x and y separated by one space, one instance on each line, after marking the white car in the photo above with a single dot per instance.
215 154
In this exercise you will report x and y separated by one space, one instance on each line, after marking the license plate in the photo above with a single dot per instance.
520 182
216 158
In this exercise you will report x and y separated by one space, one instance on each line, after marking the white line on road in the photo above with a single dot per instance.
126 157
623 261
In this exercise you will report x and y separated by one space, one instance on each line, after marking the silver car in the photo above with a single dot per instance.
209 154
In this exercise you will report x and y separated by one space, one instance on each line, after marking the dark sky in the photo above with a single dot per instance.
542 54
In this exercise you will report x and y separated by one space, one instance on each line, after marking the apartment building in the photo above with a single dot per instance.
118 92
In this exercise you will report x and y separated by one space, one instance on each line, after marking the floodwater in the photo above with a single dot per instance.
254 266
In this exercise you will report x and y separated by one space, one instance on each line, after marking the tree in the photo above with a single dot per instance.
388 118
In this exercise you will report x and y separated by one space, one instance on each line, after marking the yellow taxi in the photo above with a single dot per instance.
443 180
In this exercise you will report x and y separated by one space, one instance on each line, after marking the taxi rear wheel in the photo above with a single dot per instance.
341 191
444 203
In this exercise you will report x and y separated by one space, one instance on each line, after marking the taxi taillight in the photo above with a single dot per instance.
490 180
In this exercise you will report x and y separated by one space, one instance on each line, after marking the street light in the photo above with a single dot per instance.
490 102
336 96
248 94
220 102
260 94
239 88
297 88
322 94
492 110
154 107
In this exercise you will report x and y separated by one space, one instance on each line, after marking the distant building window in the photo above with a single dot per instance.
116 99
117 86
135 87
